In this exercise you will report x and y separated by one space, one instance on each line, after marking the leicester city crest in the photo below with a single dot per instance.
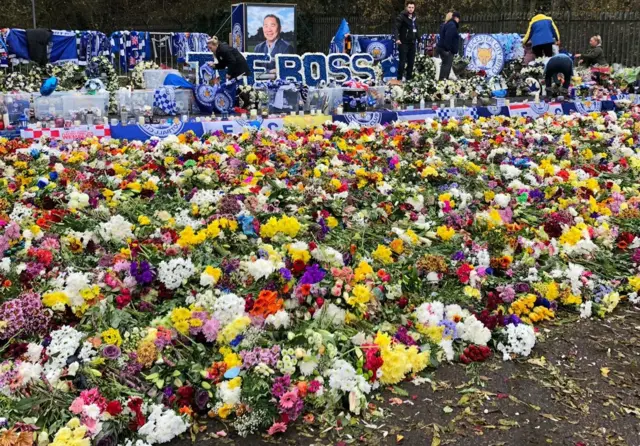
236 37
377 50
539 109
162 131
588 106
222 101
485 53
367 119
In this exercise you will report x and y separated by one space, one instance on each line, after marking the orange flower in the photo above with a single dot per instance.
302 388
266 304
305 289
185 409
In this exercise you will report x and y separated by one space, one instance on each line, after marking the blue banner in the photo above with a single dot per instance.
147 131
237 27
380 49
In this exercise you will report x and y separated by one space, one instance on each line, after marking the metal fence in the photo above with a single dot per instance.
620 31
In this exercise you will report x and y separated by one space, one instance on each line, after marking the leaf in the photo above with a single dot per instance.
399 438
503 422
605 371
550 417
447 409
399 391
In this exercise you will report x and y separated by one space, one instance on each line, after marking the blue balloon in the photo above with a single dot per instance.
49 86
232 373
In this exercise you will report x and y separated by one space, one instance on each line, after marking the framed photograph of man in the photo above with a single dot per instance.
271 28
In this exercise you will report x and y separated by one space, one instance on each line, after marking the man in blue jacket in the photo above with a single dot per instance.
543 33
406 38
448 45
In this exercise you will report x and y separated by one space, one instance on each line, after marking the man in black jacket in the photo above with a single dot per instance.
448 45
406 38
230 58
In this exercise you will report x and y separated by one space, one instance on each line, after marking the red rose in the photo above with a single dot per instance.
114 408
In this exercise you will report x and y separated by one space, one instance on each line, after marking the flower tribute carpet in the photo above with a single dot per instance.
274 279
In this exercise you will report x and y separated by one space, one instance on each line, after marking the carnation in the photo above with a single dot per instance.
328 255
331 314
429 313
175 272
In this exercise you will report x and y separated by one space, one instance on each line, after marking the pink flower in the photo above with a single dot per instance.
210 329
288 400
276 428
77 405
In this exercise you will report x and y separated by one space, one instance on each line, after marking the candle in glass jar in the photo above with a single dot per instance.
254 113
141 120
339 110
76 123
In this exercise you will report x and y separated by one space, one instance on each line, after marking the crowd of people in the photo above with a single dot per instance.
542 40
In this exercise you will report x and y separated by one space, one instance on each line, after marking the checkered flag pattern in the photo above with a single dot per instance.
457 112
164 98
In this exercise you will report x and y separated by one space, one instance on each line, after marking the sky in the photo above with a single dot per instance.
255 16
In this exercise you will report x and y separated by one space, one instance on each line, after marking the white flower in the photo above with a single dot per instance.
34 351
429 314
328 255
343 377
475 332
521 339
228 308
279 320
162 425
331 314
260 269
510 172
29 372
91 411
116 230
175 272
5 265
227 395
502 200
585 309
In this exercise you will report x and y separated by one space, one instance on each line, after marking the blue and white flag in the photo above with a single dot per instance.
337 43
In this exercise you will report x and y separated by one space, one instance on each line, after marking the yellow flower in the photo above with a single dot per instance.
472 292
634 283
233 329
143 220
235 383
552 292
225 410
571 237
213 272
251 158
397 246
360 296
135 186
383 254
332 222
445 232
362 271
112 337
55 298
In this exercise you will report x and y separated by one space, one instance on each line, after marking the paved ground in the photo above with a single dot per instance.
580 387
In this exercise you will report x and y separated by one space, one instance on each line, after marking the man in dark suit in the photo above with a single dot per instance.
228 58
273 45
406 38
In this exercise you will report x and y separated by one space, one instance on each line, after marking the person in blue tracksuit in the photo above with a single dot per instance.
448 45
542 33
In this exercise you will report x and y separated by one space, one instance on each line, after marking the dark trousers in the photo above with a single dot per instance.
407 57
447 62
558 65
545 50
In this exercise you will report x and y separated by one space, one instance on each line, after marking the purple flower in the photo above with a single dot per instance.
285 274
141 272
313 274
458 256
402 335
522 288
202 398
281 386
111 352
